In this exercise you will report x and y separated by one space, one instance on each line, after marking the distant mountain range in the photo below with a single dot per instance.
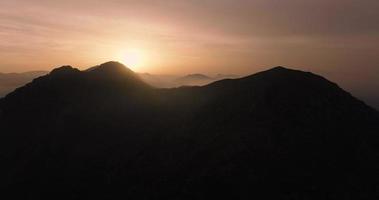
11 81
194 79
105 133
170 81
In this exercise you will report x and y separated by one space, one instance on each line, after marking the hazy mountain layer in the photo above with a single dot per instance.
11 81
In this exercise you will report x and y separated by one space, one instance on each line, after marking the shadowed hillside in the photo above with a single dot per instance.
104 133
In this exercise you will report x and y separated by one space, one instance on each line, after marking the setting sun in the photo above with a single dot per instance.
132 58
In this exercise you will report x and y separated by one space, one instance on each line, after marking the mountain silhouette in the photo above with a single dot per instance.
112 70
104 133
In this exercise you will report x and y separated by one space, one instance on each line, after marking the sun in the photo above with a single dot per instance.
132 58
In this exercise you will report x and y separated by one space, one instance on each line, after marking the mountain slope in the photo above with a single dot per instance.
103 133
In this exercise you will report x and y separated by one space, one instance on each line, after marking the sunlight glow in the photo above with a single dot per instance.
132 58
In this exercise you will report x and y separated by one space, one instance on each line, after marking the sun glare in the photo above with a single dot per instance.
132 58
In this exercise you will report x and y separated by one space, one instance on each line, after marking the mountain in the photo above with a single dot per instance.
372 100
104 134
11 81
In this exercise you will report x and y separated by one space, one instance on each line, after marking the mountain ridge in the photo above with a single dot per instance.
11 81
275 134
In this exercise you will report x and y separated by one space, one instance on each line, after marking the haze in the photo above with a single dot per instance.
335 38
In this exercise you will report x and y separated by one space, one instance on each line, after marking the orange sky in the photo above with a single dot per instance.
186 36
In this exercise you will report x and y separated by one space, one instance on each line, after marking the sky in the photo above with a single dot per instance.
335 38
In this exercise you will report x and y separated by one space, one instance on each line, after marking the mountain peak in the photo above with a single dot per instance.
284 73
64 70
280 68
111 68
115 71
112 64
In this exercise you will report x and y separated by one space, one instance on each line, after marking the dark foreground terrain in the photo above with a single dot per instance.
105 134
